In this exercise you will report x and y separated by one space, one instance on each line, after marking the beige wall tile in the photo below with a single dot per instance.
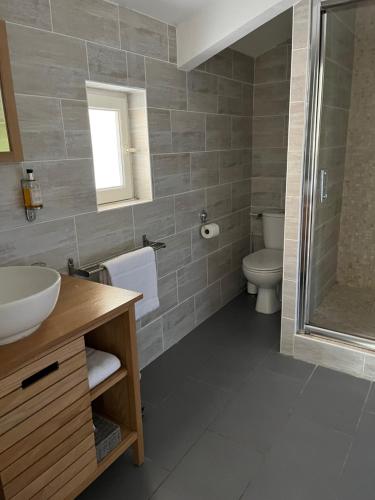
178 323
30 12
166 85
12 213
290 260
187 209
219 264
301 21
296 126
94 20
188 131
328 354
289 299
104 234
176 255
156 219
192 278
150 342
32 63
204 169
288 334
167 293
77 129
207 302
369 366
49 242
171 173
299 75
202 92
68 187
41 127
107 65
143 35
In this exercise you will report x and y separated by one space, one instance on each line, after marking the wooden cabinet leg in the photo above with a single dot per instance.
134 388
138 453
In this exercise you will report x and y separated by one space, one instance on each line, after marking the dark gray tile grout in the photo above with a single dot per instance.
308 380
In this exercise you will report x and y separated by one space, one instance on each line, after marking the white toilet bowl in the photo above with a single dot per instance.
265 269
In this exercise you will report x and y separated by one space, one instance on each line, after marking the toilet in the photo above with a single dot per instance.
264 268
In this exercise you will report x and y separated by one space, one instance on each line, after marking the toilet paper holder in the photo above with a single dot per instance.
203 216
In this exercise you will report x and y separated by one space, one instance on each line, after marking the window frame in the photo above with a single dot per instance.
115 101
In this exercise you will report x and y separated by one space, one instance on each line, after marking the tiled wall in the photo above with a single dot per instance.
199 126
338 66
356 265
270 134
341 357
296 146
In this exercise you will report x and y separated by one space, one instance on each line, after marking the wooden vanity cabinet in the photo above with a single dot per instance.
47 445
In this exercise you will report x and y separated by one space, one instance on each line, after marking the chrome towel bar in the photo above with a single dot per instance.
93 269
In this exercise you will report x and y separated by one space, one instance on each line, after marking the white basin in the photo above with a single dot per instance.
28 295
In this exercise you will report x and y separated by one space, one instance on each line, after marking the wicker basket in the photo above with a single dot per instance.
107 436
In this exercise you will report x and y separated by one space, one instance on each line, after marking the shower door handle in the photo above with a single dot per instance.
323 185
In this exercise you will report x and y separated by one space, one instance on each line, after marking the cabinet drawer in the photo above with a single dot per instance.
53 478
23 378
41 400
36 444
56 454
24 397
51 447
15 434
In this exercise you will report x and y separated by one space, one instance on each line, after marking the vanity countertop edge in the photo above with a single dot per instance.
81 307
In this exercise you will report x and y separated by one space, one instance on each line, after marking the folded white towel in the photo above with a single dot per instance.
100 365
136 271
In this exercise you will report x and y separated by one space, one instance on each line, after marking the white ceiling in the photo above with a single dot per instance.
170 11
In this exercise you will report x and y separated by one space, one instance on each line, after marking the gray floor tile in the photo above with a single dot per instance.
358 480
285 365
215 468
173 427
228 368
304 464
166 373
261 435
370 403
125 480
260 411
333 398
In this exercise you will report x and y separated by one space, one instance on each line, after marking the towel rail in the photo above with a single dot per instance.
92 269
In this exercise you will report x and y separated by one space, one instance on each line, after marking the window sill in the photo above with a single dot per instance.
121 204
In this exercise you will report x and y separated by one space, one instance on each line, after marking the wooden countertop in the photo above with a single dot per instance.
82 306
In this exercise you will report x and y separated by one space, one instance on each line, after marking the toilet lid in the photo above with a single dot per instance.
264 260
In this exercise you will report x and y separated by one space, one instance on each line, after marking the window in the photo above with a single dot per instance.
120 145
109 125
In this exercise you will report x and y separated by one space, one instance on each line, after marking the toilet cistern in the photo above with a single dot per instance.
264 268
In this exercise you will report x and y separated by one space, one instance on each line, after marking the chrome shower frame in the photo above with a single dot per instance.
310 178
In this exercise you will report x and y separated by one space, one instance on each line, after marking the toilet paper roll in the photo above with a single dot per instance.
209 231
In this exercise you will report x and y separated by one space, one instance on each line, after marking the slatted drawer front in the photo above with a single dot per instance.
46 425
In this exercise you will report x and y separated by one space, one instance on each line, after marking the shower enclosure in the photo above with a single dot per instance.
337 279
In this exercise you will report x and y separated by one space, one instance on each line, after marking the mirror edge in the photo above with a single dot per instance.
9 102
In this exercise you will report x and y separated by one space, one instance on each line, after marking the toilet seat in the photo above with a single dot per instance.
266 260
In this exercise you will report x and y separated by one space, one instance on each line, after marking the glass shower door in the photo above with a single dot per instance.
341 266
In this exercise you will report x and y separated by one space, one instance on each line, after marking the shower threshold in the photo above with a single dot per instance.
346 313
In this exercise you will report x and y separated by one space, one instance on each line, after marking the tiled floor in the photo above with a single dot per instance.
349 310
229 418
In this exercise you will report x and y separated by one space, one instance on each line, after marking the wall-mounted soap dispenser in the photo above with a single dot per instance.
32 195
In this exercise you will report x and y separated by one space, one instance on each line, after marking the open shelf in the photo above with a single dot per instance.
127 439
108 383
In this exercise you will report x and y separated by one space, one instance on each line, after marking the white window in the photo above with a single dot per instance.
110 137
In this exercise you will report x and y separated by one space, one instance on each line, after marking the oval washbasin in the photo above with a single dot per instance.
28 295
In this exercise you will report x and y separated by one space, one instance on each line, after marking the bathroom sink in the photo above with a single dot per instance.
28 295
